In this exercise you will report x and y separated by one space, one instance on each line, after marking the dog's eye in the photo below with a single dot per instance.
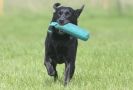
67 13
60 13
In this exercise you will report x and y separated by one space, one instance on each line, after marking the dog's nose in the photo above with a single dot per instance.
61 22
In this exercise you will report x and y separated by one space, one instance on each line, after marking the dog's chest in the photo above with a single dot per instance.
61 49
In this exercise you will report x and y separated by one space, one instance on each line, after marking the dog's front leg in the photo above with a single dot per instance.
51 68
69 71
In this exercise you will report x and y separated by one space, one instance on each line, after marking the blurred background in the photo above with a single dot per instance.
104 62
94 7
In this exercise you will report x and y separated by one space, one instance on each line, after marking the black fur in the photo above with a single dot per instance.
59 46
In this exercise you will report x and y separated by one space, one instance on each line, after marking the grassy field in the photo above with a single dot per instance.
104 62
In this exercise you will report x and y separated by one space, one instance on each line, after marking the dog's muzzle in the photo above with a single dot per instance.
62 21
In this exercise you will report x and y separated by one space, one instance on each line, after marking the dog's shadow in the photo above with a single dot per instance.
50 81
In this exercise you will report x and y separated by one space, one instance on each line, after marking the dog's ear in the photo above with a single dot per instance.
78 11
56 5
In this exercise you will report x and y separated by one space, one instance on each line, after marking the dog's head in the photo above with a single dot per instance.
64 15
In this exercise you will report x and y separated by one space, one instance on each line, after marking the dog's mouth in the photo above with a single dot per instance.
63 22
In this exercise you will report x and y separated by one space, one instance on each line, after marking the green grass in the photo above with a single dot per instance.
104 62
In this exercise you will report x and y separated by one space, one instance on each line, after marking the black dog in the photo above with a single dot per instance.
59 46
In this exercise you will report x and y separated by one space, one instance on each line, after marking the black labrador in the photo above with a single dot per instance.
59 46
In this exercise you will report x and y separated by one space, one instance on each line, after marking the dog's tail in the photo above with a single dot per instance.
56 5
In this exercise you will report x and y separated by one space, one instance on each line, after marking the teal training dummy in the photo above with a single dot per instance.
72 30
